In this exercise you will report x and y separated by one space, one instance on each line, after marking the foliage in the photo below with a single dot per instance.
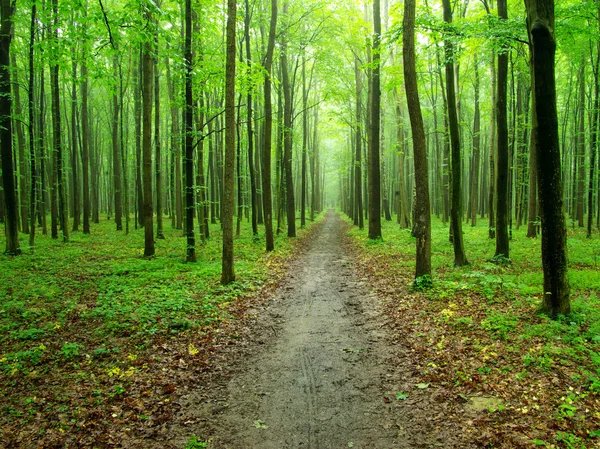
476 333
108 330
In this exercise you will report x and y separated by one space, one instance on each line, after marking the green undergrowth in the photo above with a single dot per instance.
481 335
88 311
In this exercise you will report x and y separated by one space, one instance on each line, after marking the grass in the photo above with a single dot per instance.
477 329
88 325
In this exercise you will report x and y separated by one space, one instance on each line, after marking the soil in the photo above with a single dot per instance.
317 371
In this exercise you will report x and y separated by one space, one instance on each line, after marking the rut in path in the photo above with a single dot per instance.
319 380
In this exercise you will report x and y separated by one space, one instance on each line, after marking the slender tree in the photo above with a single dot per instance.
460 258
268 130
476 149
358 147
228 273
190 254
250 127
7 8
540 21
422 213
374 132
32 120
63 211
502 175
147 78
157 150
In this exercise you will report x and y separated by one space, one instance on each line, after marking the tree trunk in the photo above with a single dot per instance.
8 173
540 20
422 213
502 178
594 140
147 78
268 129
249 126
190 253
75 151
32 121
357 148
304 145
476 151
116 151
492 158
85 141
374 143
157 153
456 214
228 273
287 136
63 212
137 113
580 180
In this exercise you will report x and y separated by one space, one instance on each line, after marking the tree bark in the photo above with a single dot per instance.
502 177
147 78
8 173
228 273
116 150
63 212
190 254
357 148
540 20
476 150
456 215
250 127
374 180
32 131
422 213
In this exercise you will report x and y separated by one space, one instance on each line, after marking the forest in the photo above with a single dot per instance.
189 188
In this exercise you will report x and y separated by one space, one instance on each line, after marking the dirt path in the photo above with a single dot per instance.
319 373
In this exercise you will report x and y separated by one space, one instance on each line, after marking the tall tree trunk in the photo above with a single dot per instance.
22 162
75 151
580 179
32 132
137 113
456 215
8 174
249 127
502 178
287 135
304 145
492 158
357 148
116 150
85 141
157 153
268 130
422 213
476 150
63 211
190 254
228 273
594 140
540 20
147 78
374 143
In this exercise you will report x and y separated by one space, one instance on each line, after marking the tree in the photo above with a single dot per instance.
7 8
268 129
228 273
374 179
422 213
502 246
540 23
287 134
460 258
32 119
250 127
147 78
358 148
190 254
63 212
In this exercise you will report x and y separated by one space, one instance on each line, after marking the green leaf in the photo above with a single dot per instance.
401 396
422 386
259 424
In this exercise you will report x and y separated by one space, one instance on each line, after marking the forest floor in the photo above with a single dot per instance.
319 371
325 343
